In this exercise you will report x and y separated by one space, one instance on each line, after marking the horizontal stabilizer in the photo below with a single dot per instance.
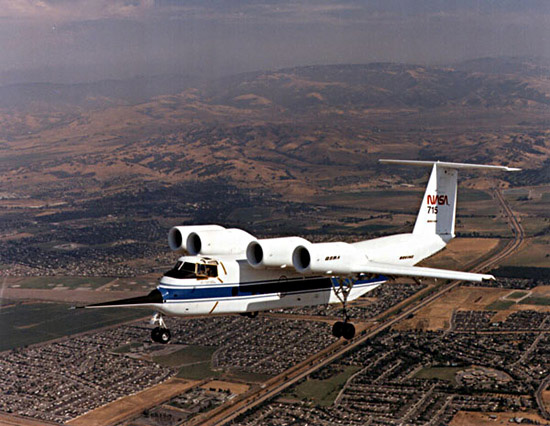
417 271
450 165
154 297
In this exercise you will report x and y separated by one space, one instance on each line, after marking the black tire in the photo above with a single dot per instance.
164 336
349 331
338 329
155 334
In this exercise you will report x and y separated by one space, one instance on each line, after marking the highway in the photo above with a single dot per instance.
275 386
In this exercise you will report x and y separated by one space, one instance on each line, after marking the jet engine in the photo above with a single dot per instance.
177 236
326 258
273 252
223 241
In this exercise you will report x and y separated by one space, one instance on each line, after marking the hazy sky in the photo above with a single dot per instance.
80 40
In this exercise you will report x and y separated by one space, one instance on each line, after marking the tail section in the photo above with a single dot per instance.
438 209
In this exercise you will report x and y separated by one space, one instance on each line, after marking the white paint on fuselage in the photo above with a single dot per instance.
234 272
401 249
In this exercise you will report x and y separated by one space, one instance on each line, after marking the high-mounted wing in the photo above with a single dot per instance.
418 271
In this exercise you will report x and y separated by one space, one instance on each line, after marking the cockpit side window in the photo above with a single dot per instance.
207 270
182 270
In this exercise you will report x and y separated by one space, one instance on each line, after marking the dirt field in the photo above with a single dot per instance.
132 405
437 315
236 388
546 398
461 251
468 418
532 253
7 420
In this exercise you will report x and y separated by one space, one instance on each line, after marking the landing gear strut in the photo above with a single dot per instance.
344 328
160 334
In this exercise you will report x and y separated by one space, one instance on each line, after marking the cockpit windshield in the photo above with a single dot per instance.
184 270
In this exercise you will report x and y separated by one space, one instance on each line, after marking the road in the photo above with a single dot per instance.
275 386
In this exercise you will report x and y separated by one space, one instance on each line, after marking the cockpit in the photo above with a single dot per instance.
205 268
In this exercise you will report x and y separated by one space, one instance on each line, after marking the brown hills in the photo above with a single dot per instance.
295 131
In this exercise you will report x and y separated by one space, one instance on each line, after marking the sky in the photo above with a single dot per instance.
86 40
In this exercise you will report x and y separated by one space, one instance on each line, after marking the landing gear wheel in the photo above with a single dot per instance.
160 335
349 331
338 329
164 336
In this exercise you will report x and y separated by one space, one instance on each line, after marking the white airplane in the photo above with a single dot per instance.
228 271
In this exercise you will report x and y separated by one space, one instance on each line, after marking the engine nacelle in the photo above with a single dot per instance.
177 236
224 241
326 258
273 252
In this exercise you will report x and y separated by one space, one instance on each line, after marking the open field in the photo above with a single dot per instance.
135 284
437 315
25 324
500 305
74 297
516 295
10 420
534 252
462 251
470 418
234 388
322 392
442 373
546 398
60 283
132 405
191 354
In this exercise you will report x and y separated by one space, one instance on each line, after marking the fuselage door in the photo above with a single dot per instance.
283 282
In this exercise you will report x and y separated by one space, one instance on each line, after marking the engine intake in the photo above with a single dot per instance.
273 252
224 241
326 258
177 236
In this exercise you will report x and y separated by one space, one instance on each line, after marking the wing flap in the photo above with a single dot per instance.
418 271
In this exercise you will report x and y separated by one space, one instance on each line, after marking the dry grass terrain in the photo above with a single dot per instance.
461 252
10 420
132 405
469 418
437 315
235 388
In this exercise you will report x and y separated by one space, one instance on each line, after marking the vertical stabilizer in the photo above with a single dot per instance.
438 209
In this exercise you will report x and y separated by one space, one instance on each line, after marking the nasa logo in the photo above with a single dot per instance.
440 200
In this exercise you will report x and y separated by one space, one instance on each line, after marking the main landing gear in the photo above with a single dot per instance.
160 334
344 328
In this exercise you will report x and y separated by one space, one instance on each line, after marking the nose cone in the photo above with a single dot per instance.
167 281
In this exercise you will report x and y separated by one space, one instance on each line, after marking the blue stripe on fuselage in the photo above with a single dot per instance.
299 285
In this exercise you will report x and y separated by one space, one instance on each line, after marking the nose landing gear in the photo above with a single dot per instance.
160 334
